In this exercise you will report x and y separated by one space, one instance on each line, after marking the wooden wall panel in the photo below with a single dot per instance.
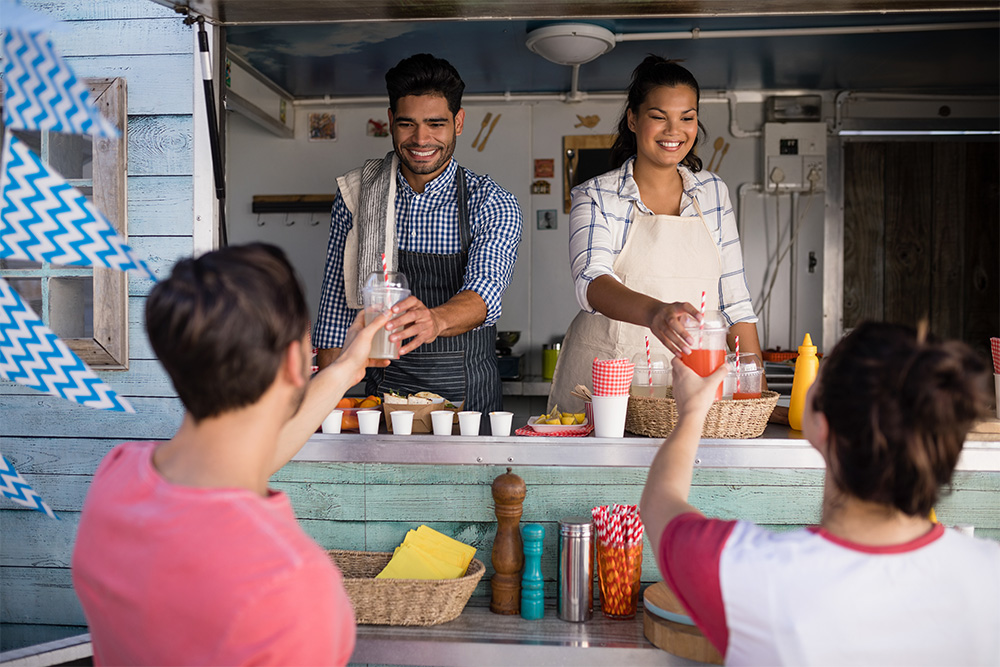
933 248
48 416
947 236
864 229
981 272
160 205
345 506
908 186
160 145
78 10
157 84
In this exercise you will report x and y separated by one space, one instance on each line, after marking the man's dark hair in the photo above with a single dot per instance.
423 74
221 324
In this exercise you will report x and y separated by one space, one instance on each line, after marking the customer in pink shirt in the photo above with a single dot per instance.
876 582
183 555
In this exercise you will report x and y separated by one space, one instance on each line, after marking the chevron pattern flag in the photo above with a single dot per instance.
45 219
42 93
13 486
30 354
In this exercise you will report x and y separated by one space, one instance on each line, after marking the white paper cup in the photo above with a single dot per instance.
332 423
500 423
402 422
468 422
441 420
609 416
368 421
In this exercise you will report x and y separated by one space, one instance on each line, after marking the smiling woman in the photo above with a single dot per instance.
651 237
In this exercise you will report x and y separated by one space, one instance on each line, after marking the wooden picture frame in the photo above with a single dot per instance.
584 157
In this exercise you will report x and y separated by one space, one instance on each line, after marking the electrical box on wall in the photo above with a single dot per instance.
794 157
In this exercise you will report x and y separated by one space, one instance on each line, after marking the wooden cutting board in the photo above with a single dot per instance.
685 641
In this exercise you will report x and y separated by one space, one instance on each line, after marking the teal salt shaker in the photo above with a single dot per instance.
532 595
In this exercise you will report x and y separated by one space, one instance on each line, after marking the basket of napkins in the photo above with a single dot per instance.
427 580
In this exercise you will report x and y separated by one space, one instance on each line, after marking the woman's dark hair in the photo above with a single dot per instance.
423 74
898 410
222 323
651 73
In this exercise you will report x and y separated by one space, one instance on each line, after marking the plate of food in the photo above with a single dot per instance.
559 421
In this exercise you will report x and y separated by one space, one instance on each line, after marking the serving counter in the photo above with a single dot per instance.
779 447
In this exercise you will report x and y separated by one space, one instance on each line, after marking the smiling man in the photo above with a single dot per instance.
452 233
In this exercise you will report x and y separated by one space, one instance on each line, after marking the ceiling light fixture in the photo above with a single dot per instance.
570 43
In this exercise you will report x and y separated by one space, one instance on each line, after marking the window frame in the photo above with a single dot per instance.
108 348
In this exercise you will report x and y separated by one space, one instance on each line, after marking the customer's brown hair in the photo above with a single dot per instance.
898 410
222 322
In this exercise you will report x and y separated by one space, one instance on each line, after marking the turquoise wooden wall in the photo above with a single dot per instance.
54 443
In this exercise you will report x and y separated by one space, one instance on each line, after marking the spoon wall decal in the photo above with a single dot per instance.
718 146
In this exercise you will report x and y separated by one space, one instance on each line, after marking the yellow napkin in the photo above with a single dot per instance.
427 554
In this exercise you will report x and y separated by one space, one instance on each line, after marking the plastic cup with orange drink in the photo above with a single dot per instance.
708 346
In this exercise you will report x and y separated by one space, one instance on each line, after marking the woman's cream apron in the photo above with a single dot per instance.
667 257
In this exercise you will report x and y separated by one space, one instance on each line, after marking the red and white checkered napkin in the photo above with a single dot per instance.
612 377
995 349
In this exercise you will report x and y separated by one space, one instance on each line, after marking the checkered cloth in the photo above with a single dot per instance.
527 430
995 349
612 377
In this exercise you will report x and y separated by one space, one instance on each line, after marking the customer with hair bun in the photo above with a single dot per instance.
876 582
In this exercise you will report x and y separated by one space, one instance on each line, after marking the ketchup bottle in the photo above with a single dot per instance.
806 367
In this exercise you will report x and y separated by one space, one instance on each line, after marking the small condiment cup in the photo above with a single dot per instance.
368 421
402 422
468 422
500 423
442 420
333 421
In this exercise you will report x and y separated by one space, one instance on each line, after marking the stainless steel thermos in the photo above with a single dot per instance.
575 601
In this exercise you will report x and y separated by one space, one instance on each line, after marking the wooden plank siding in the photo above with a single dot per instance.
370 507
922 236
55 444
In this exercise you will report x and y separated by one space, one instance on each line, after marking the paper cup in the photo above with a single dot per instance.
500 423
402 422
441 421
332 423
609 416
368 421
468 422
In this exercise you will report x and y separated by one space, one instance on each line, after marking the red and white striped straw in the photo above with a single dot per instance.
385 270
701 327
737 364
649 363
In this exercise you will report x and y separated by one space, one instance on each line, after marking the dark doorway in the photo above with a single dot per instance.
922 236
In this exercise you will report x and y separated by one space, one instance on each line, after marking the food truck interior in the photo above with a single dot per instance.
859 142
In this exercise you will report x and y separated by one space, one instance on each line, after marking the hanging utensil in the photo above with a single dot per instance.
718 147
486 121
725 149
492 125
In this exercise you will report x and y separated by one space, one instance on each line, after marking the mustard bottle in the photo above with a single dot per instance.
806 367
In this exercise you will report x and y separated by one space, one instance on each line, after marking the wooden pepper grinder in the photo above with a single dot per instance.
508 553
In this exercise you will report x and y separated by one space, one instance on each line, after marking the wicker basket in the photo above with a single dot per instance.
402 601
745 418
